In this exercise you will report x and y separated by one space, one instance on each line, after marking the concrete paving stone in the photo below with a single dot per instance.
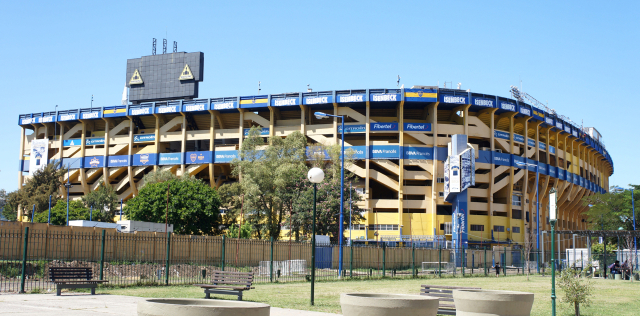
72 304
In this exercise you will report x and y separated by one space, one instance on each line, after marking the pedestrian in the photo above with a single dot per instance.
497 267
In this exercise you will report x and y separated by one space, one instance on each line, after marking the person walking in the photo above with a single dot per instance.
497 267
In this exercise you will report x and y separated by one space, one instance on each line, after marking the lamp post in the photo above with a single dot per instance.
537 213
49 217
315 175
553 199
320 115
68 186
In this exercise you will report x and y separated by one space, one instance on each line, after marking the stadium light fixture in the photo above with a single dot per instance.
320 115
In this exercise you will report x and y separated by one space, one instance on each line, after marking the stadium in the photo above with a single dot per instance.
400 137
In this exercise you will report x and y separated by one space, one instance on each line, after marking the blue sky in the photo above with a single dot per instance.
580 56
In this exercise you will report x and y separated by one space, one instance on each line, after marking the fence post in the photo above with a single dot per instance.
463 263
384 258
25 237
504 270
224 242
271 262
413 260
166 265
102 254
440 261
485 260
351 260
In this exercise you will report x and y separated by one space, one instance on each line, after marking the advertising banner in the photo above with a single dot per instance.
417 127
224 106
385 152
170 159
321 99
144 159
424 153
142 138
94 162
118 161
225 156
39 155
375 127
357 128
199 157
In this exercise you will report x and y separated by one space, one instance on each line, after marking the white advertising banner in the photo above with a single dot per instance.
39 155
454 174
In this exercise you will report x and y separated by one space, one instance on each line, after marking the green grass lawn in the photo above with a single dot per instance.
610 297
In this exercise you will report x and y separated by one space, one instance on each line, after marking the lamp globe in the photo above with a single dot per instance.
315 175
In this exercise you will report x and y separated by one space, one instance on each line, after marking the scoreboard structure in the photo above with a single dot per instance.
164 77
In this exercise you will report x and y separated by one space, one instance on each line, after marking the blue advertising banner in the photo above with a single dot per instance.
118 161
561 174
484 156
167 109
542 168
518 138
140 111
454 99
553 171
90 115
225 156
322 99
549 120
94 162
525 110
501 159
67 117
141 138
144 159
349 98
263 132
285 101
542 145
198 157
552 150
485 102
518 162
224 106
385 152
501 134
198 107
72 163
531 142
441 153
385 97
508 106
417 127
170 158
353 128
46 119
374 127
531 162
425 153
359 152
88 141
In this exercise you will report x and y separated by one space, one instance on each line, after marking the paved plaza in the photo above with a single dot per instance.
71 304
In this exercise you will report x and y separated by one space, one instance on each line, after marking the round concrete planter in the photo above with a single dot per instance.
492 302
201 307
365 304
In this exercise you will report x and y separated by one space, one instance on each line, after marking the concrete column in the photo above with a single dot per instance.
367 192
212 138
401 169
183 147
107 143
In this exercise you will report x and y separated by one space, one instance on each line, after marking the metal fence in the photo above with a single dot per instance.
159 259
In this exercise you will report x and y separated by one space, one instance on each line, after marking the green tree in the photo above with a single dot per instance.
577 288
609 211
267 173
104 201
158 176
8 212
245 231
77 211
44 183
193 206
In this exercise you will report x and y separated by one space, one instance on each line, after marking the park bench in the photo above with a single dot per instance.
73 278
445 294
228 283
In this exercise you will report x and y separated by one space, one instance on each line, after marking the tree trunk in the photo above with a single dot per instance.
577 308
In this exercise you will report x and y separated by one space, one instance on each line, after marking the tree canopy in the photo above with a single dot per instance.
44 183
104 202
193 206
77 211
612 210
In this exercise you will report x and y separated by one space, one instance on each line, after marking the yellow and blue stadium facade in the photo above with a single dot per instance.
400 137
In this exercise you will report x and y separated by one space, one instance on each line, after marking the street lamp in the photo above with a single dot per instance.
553 199
521 164
68 186
315 175
320 115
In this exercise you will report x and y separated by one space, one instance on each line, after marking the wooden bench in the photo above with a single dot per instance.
445 294
228 283
73 278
